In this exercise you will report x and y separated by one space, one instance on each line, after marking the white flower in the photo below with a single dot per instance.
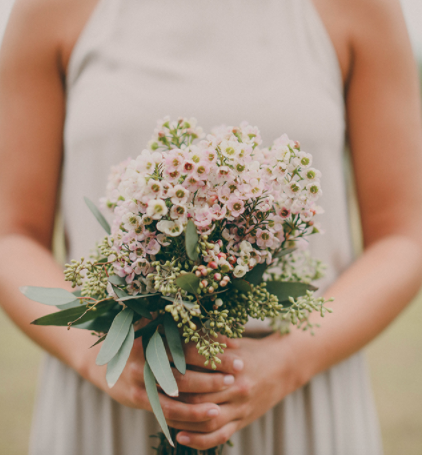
157 209
245 246
171 228
240 270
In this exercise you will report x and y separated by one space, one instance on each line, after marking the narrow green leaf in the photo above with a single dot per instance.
117 280
255 275
286 289
158 361
73 304
191 241
285 252
136 297
100 340
115 337
98 215
62 318
100 324
242 286
139 307
188 282
117 364
149 329
48 296
175 343
154 400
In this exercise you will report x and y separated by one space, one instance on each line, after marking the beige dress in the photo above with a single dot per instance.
270 62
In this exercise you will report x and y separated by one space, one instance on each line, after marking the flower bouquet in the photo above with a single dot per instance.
203 237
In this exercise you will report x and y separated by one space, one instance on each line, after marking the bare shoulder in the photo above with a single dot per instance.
50 28
363 27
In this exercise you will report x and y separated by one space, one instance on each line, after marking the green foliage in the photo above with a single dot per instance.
175 343
191 239
117 364
79 314
156 356
154 400
48 296
188 282
115 337
98 215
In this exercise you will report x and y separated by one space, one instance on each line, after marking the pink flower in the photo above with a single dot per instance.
203 169
264 239
224 194
218 213
179 195
236 206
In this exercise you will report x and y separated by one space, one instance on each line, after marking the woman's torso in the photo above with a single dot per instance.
271 63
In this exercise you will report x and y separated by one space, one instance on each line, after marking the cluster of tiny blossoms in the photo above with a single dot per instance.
245 201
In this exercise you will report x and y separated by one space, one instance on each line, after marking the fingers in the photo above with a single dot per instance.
204 441
240 391
228 413
175 410
199 382
230 362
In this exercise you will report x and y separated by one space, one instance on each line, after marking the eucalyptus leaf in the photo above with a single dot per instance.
115 337
100 324
100 340
136 297
48 296
154 400
286 289
98 215
175 343
116 280
255 275
285 252
139 307
62 318
191 241
242 286
117 364
156 356
188 282
149 329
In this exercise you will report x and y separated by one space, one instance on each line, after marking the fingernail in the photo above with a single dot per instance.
229 379
238 365
213 413
183 439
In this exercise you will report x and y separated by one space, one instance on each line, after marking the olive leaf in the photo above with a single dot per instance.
117 364
174 341
188 282
115 336
255 275
154 400
285 252
242 285
191 241
98 215
62 318
156 356
116 280
48 296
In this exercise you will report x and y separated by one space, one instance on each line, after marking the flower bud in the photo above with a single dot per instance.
213 265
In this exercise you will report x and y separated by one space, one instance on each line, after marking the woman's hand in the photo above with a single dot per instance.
130 388
264 375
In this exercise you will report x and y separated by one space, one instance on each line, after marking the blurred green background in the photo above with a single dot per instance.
394 360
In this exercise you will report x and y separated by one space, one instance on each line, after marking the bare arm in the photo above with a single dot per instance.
385 130
32 109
